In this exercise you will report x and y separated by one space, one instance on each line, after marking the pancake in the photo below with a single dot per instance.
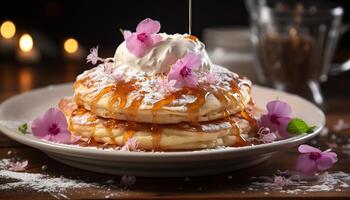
232 131
139 99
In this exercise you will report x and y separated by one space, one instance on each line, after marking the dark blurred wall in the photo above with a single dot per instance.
95 22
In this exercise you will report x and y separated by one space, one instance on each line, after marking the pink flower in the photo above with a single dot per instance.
165 85
280 181
265 135
313 160
108 67
144 38
277 118
128 180
93 56
118 76
211 78
52 126
182 71
17 166
130 145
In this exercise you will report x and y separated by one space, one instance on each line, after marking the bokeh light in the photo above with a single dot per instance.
71 45
7 29
26 42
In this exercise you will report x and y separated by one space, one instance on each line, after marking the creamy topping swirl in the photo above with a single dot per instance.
164 54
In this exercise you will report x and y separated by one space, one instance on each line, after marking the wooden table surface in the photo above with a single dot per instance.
235 185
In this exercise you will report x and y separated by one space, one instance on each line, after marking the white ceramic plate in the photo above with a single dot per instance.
27 106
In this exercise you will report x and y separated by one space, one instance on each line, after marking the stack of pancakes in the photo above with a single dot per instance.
111 110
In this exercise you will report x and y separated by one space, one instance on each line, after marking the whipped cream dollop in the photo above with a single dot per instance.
163 55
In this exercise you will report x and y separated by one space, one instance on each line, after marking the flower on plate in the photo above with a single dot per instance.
313 160
277 117
52 126
130 145
265 135
165 85
17 166
211 78
183 71
93 56
118 76
144 38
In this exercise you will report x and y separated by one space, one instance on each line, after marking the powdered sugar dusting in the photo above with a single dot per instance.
149 87
332 181
56 186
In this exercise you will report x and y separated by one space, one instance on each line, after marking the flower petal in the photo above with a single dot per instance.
191 81
282 127
333 156
305 164
156 38
40 127
279 108
304 148
148 26
266 122
137 47
63 137
324 163
191 60
127 34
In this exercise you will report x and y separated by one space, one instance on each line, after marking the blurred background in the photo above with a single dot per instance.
46 42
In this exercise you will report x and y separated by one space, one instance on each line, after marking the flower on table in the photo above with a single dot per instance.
145 37
313 160
277 118
165 85
53 126
17 166
281 181
130 145
183 71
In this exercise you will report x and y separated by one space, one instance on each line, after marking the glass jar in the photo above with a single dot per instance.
231 48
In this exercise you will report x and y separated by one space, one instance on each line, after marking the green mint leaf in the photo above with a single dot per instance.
23 128
298 126
311 129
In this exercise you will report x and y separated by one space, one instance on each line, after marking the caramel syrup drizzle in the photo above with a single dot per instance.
122 89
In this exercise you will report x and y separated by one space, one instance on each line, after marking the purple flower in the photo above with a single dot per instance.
313 160
265 135
131 145
277 118
211 78
52 126
182 71
144 38
165 85
17 166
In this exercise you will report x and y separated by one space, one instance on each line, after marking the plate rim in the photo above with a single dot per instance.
77 150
